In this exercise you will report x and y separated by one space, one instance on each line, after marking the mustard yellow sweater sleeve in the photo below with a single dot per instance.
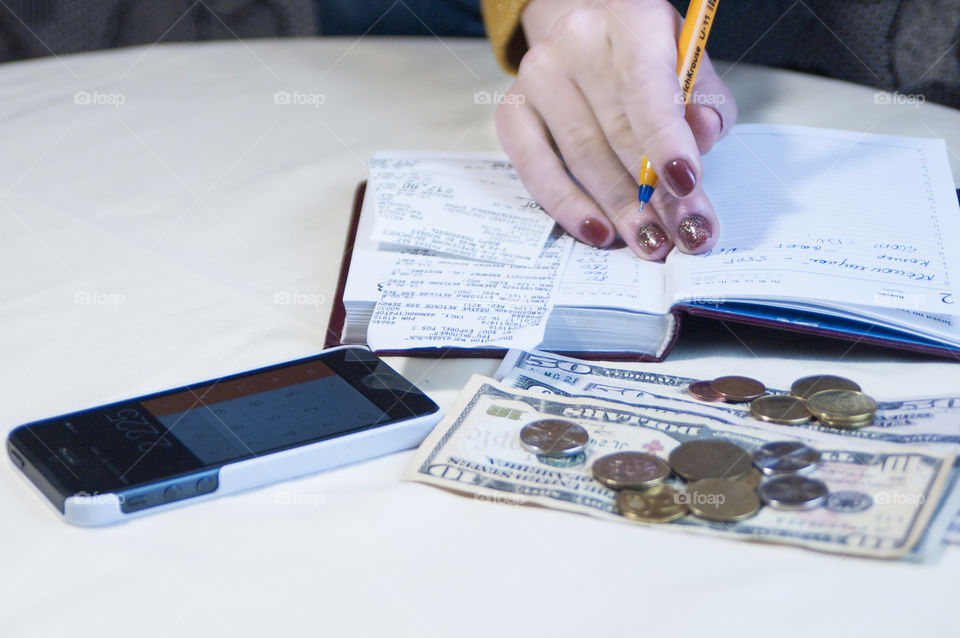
502 19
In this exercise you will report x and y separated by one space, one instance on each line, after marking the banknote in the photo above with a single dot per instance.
934 420
922 421
882 496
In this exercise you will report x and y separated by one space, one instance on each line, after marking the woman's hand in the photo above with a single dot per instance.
599 91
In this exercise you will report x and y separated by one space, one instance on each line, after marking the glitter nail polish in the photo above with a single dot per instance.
651 238
694 231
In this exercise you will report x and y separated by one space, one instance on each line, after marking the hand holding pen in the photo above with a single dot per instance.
600 91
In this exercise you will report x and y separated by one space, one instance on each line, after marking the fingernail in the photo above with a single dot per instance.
719 117
694 231
651 237
594 232
681 176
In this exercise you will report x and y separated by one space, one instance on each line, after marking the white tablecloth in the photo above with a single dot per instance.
160 206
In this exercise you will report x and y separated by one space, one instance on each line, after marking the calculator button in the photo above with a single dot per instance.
205 485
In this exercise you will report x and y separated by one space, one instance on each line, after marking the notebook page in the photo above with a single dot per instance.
597 278
828 216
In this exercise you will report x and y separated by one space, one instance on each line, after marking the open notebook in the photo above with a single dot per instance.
839 233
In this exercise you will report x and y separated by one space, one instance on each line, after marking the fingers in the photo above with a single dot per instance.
586 152
711 109
527 143
597 98
693 223
644 57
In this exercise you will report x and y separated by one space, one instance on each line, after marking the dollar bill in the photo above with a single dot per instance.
933 421
883 495
930 420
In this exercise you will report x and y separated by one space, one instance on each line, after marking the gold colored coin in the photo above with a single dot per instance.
695 460
841 424
808 386
780 408
839 407
752 480
661 504
738 389
629 470
722 500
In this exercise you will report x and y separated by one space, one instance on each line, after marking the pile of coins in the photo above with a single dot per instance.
555 441
834 401
724 482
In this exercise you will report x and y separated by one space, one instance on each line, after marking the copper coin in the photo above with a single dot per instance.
695 460
629 470
703 391
738 389
554 437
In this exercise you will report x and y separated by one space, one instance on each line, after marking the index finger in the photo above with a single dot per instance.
644 44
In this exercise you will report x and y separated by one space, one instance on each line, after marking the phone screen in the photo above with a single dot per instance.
207 425
261 412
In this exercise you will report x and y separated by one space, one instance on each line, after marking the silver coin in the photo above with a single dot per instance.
793 492
554 438
785 457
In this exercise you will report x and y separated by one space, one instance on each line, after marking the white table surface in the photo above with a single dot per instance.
145 244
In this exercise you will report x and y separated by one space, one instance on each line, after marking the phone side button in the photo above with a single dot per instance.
172 493
206 484
17 459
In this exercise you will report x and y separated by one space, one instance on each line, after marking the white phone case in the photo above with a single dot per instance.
104 509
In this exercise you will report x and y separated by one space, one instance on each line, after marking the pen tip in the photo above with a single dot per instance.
641 205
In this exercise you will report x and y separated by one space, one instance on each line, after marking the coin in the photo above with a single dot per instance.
719 499
695 460
847 425
842 407
780 408
661 504
703 391
808 386
629 470
785 457
793 492
554 437
752 480
738 389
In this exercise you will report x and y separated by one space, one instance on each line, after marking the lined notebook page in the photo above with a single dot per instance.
828 216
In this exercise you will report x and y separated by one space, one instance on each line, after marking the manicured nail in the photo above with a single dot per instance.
651 237
681 177
594 232
694 231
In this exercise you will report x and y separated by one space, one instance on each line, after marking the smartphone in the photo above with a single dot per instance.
108 464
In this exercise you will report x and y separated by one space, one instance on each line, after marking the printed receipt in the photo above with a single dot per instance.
428 301
469 208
